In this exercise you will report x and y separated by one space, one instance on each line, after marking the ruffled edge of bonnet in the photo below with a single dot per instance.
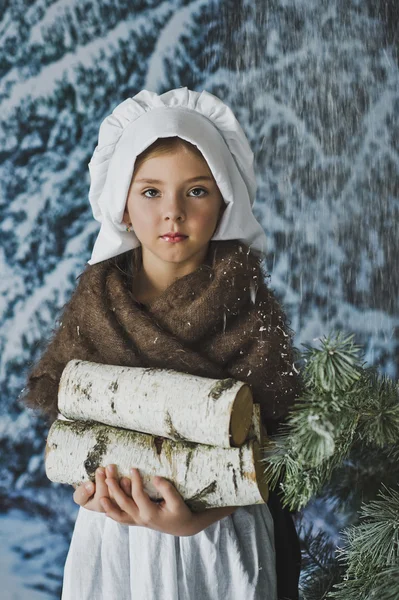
205 103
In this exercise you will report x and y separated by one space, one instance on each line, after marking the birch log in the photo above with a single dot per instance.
161 402
256 431
205 476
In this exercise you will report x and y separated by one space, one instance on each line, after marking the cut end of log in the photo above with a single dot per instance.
259 471
241 416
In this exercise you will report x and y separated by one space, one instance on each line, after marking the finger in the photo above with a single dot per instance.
101 486
126 485
104 491
83 493
141 498
111 472
123 501
168 492
113 511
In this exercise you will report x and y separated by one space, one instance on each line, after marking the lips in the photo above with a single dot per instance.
175 238
174 235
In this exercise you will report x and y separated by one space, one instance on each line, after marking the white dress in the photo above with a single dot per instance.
232 559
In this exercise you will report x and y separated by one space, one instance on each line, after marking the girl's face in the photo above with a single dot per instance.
174 193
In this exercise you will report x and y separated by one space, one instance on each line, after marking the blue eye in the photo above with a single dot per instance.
149 190
201 189
154 190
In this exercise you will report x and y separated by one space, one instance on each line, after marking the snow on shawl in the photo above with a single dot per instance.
219 321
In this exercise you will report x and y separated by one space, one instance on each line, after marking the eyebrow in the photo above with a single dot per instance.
201 177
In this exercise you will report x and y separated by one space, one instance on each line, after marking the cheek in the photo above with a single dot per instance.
141 215
207 215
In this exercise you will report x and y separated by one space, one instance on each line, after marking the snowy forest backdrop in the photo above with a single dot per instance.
315 85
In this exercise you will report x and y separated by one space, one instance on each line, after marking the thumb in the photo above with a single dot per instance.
83 492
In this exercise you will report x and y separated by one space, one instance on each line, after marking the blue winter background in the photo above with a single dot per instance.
315 85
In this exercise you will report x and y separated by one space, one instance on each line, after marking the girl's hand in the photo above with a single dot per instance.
88 494
171 515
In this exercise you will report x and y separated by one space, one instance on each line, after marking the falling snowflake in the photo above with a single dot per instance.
253 290
284 334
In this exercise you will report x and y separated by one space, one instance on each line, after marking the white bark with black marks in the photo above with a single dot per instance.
162 402
206 476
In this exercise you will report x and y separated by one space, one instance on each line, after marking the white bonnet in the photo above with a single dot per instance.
198 117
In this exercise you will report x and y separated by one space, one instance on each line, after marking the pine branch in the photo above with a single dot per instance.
341 437
358 478
320 570
386 584
371 552
343 404
334 367
377 400
377 539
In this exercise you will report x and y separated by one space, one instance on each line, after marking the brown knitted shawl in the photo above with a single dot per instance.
219 321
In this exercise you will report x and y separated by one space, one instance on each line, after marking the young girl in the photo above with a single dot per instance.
172 165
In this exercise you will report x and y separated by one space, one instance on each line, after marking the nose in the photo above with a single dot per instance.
173 208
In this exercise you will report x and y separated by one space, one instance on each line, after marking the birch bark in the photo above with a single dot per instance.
206 476
160 402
